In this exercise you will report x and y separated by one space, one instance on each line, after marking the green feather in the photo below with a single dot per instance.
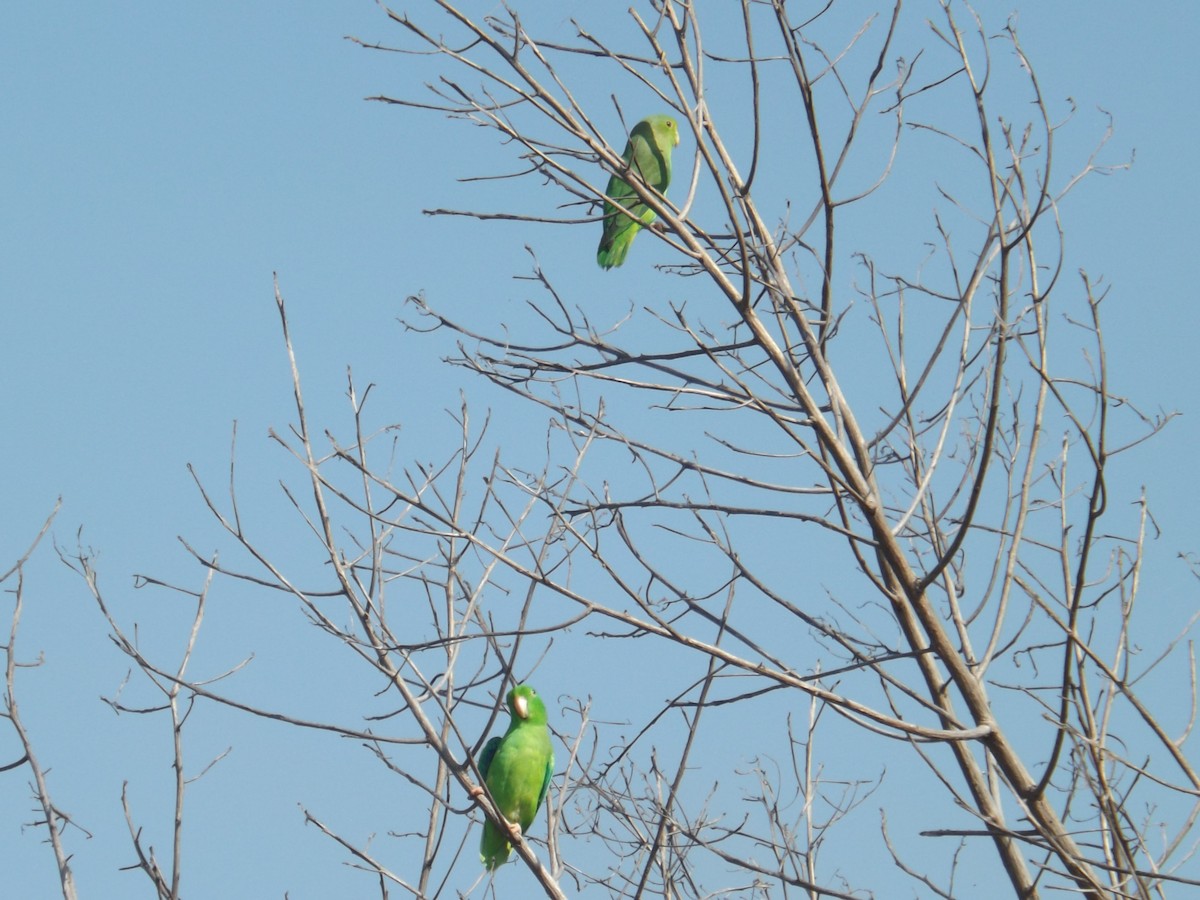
648 153
517 770
485 758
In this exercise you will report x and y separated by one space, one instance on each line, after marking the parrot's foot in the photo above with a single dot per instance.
475 790
516 828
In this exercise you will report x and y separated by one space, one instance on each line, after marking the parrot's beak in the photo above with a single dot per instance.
521 706
677 137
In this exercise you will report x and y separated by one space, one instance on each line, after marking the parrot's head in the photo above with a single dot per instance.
525 704
666 130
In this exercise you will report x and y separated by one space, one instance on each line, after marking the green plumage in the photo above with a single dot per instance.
517 770
648 153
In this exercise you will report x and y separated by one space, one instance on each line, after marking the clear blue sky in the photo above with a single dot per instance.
160 162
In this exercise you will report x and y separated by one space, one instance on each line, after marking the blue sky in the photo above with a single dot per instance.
161 162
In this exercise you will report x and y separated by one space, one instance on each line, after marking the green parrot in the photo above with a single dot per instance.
517 770
649 154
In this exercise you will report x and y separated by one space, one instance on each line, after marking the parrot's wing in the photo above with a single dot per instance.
651 161
485 758
620 190
546 780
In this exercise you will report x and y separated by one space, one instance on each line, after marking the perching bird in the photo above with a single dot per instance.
517 770
648 153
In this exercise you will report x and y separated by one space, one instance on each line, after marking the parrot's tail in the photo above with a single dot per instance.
613 252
